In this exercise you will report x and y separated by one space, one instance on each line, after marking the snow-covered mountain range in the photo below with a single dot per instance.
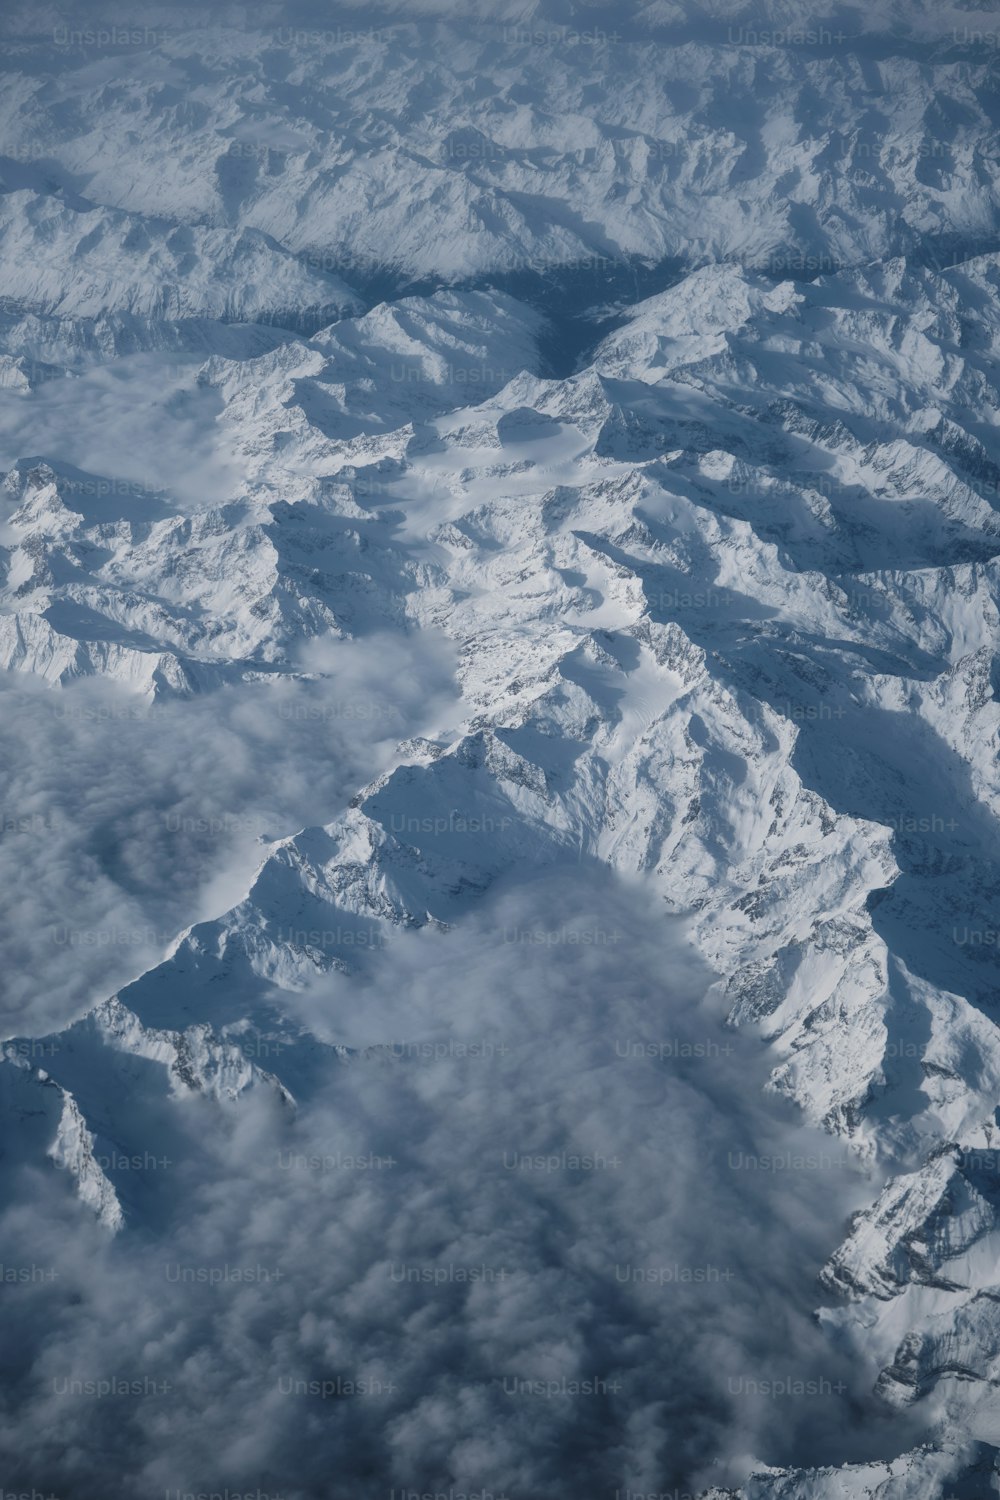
650 382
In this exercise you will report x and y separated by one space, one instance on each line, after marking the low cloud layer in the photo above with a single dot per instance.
123 822
544 1236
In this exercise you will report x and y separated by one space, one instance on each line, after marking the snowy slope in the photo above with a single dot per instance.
511 146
